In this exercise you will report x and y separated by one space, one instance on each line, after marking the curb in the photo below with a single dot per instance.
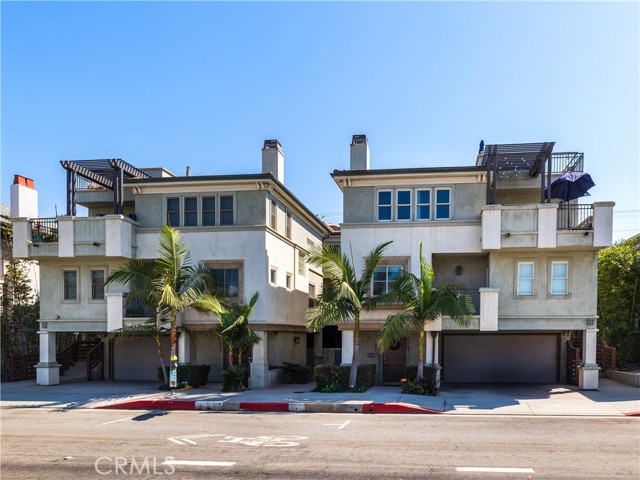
364 407
633 414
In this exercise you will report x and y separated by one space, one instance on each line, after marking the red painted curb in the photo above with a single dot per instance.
153 405
632 414
396 408
264 406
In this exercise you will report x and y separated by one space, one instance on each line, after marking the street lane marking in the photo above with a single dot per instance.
115 421
199 463
495 470
339 425
182 439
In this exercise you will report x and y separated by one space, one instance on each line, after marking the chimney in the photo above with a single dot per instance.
273 159
24 198
359 153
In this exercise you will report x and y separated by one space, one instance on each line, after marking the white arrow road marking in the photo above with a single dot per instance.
339 425
183 439
199 463
495 470
261 441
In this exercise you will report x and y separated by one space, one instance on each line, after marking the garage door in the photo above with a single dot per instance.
137 358
500 358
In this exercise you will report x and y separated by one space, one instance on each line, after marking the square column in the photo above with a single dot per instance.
48 369
589 371
259 374
184 349
347 347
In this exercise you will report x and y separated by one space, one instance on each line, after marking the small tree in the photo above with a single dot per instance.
169 285
618 296
344 296
422 302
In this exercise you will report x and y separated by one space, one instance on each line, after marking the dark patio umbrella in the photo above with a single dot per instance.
571 185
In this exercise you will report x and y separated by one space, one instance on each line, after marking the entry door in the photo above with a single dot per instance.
394 362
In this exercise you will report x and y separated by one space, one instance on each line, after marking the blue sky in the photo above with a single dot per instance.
205 83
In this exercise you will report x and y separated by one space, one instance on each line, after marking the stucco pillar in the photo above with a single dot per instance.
602 224
113 235
48 369
184 349
66 238
347 347
491 227
259 374
21 237
114 311
547 225
489 309
589 371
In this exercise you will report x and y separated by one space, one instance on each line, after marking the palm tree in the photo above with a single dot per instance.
423 302
344 296
233 329
169 285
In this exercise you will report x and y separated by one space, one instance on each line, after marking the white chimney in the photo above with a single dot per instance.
359 153
273 159
24 198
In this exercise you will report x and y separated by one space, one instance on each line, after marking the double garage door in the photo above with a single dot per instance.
512 358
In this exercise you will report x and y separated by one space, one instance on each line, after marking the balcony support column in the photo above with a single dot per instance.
48 369
115 306
589 371
66 237
489 309
259 376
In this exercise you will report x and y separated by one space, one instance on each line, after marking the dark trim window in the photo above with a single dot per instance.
384 205
190 211
273 215
208 211
70 285
173 211
443 203
403 205
226 210
97 284
383 277
227 281
423 204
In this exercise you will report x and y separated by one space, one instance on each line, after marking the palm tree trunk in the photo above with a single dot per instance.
353 374
420 374
174 351
230 356
158 339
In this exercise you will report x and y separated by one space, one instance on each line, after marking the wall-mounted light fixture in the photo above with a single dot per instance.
296 340
459 270
508 234
56 317
96 244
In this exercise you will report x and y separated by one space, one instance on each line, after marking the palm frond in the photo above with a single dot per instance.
370 264
327 313
395 328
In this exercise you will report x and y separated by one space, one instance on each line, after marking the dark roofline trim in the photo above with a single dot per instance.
236 177
405 171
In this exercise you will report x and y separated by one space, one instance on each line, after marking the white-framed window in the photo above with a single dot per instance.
443 204
403 205
289 281
273 215
200 210
559 278
423 204
97 284
383 277
312 295
525 281
301 261
70 285
384 205
287 228
228 276
273 276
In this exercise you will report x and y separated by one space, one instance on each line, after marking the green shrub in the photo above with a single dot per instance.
428 385
334 378
193 375
233 379
294 373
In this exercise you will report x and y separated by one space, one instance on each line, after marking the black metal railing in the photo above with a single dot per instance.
567 162
44 230
475 298
95 358
575 217
135 308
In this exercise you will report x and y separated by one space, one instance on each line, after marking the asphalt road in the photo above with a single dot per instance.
87 444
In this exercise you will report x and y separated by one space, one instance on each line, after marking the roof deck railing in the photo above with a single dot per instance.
575 217
44 230
567 162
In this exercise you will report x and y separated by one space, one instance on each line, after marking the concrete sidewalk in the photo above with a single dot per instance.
613 399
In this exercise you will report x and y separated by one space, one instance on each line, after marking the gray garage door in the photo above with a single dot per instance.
137 358
500 358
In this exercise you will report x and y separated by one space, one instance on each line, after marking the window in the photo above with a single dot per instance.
208 211
97 284
273 215
272 276
383 277
443 204
312 295
173 212
288 226
226 210
384 205
301 262
423 204
403 205
191 211
70 285
289 282
227 281
525 278
559 278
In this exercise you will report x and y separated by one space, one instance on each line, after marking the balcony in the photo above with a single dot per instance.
547 225
106 236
